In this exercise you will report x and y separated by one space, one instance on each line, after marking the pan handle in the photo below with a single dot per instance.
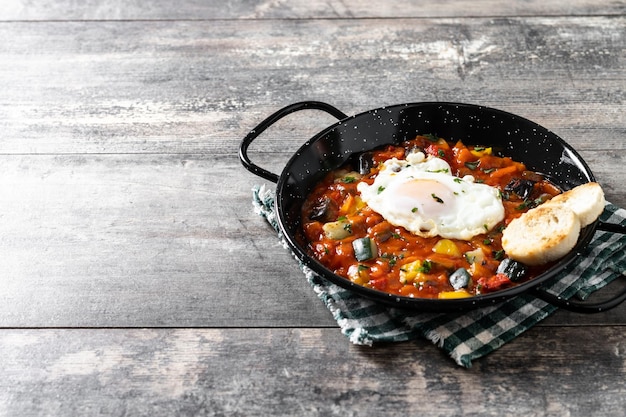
583 306
580 306
612 227
254 133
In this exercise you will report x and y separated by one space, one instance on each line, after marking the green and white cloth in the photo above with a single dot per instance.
469 335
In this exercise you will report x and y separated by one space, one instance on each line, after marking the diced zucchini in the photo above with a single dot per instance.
512 269
364 249
347 177
475 256
460 279
337 230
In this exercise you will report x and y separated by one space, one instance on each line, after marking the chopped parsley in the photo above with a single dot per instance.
414 210
426 266
381 189
437 199
392 259
498 255
472 165
529 204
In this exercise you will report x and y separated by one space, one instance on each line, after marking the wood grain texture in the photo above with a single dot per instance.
294 9
135 278
193 87
305 372
121 240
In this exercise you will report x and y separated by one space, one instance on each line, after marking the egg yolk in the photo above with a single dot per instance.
429 198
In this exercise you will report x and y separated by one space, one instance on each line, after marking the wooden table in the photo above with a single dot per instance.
135 278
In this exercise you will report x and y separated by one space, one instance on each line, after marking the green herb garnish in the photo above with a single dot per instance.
426 266
437 199
498 255
472 165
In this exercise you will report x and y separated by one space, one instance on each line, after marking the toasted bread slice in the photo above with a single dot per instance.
586 200
542 234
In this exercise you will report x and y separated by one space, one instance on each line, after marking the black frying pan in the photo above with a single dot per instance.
525 141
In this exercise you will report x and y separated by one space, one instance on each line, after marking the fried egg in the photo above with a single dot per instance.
421 195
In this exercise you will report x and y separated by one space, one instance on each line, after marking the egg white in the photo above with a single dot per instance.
421 195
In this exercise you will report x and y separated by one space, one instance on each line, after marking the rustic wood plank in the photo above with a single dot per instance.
189 87
306 372
295 9
122 240
125 216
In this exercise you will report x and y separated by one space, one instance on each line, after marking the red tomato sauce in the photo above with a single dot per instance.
335 221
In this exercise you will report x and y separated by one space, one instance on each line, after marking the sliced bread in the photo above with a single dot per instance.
586 200
543 234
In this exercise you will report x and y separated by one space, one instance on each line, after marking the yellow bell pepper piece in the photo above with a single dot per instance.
481 152
447 247
449 295
412 272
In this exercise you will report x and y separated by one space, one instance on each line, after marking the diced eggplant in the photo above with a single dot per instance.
522 187
366 162
516 271
364 249
384 236
460 279
324 210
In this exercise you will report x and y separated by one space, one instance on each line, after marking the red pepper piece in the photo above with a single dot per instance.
494 283
438 151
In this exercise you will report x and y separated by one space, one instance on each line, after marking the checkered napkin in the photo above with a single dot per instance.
473 334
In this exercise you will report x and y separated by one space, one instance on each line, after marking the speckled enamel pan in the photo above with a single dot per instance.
521 139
